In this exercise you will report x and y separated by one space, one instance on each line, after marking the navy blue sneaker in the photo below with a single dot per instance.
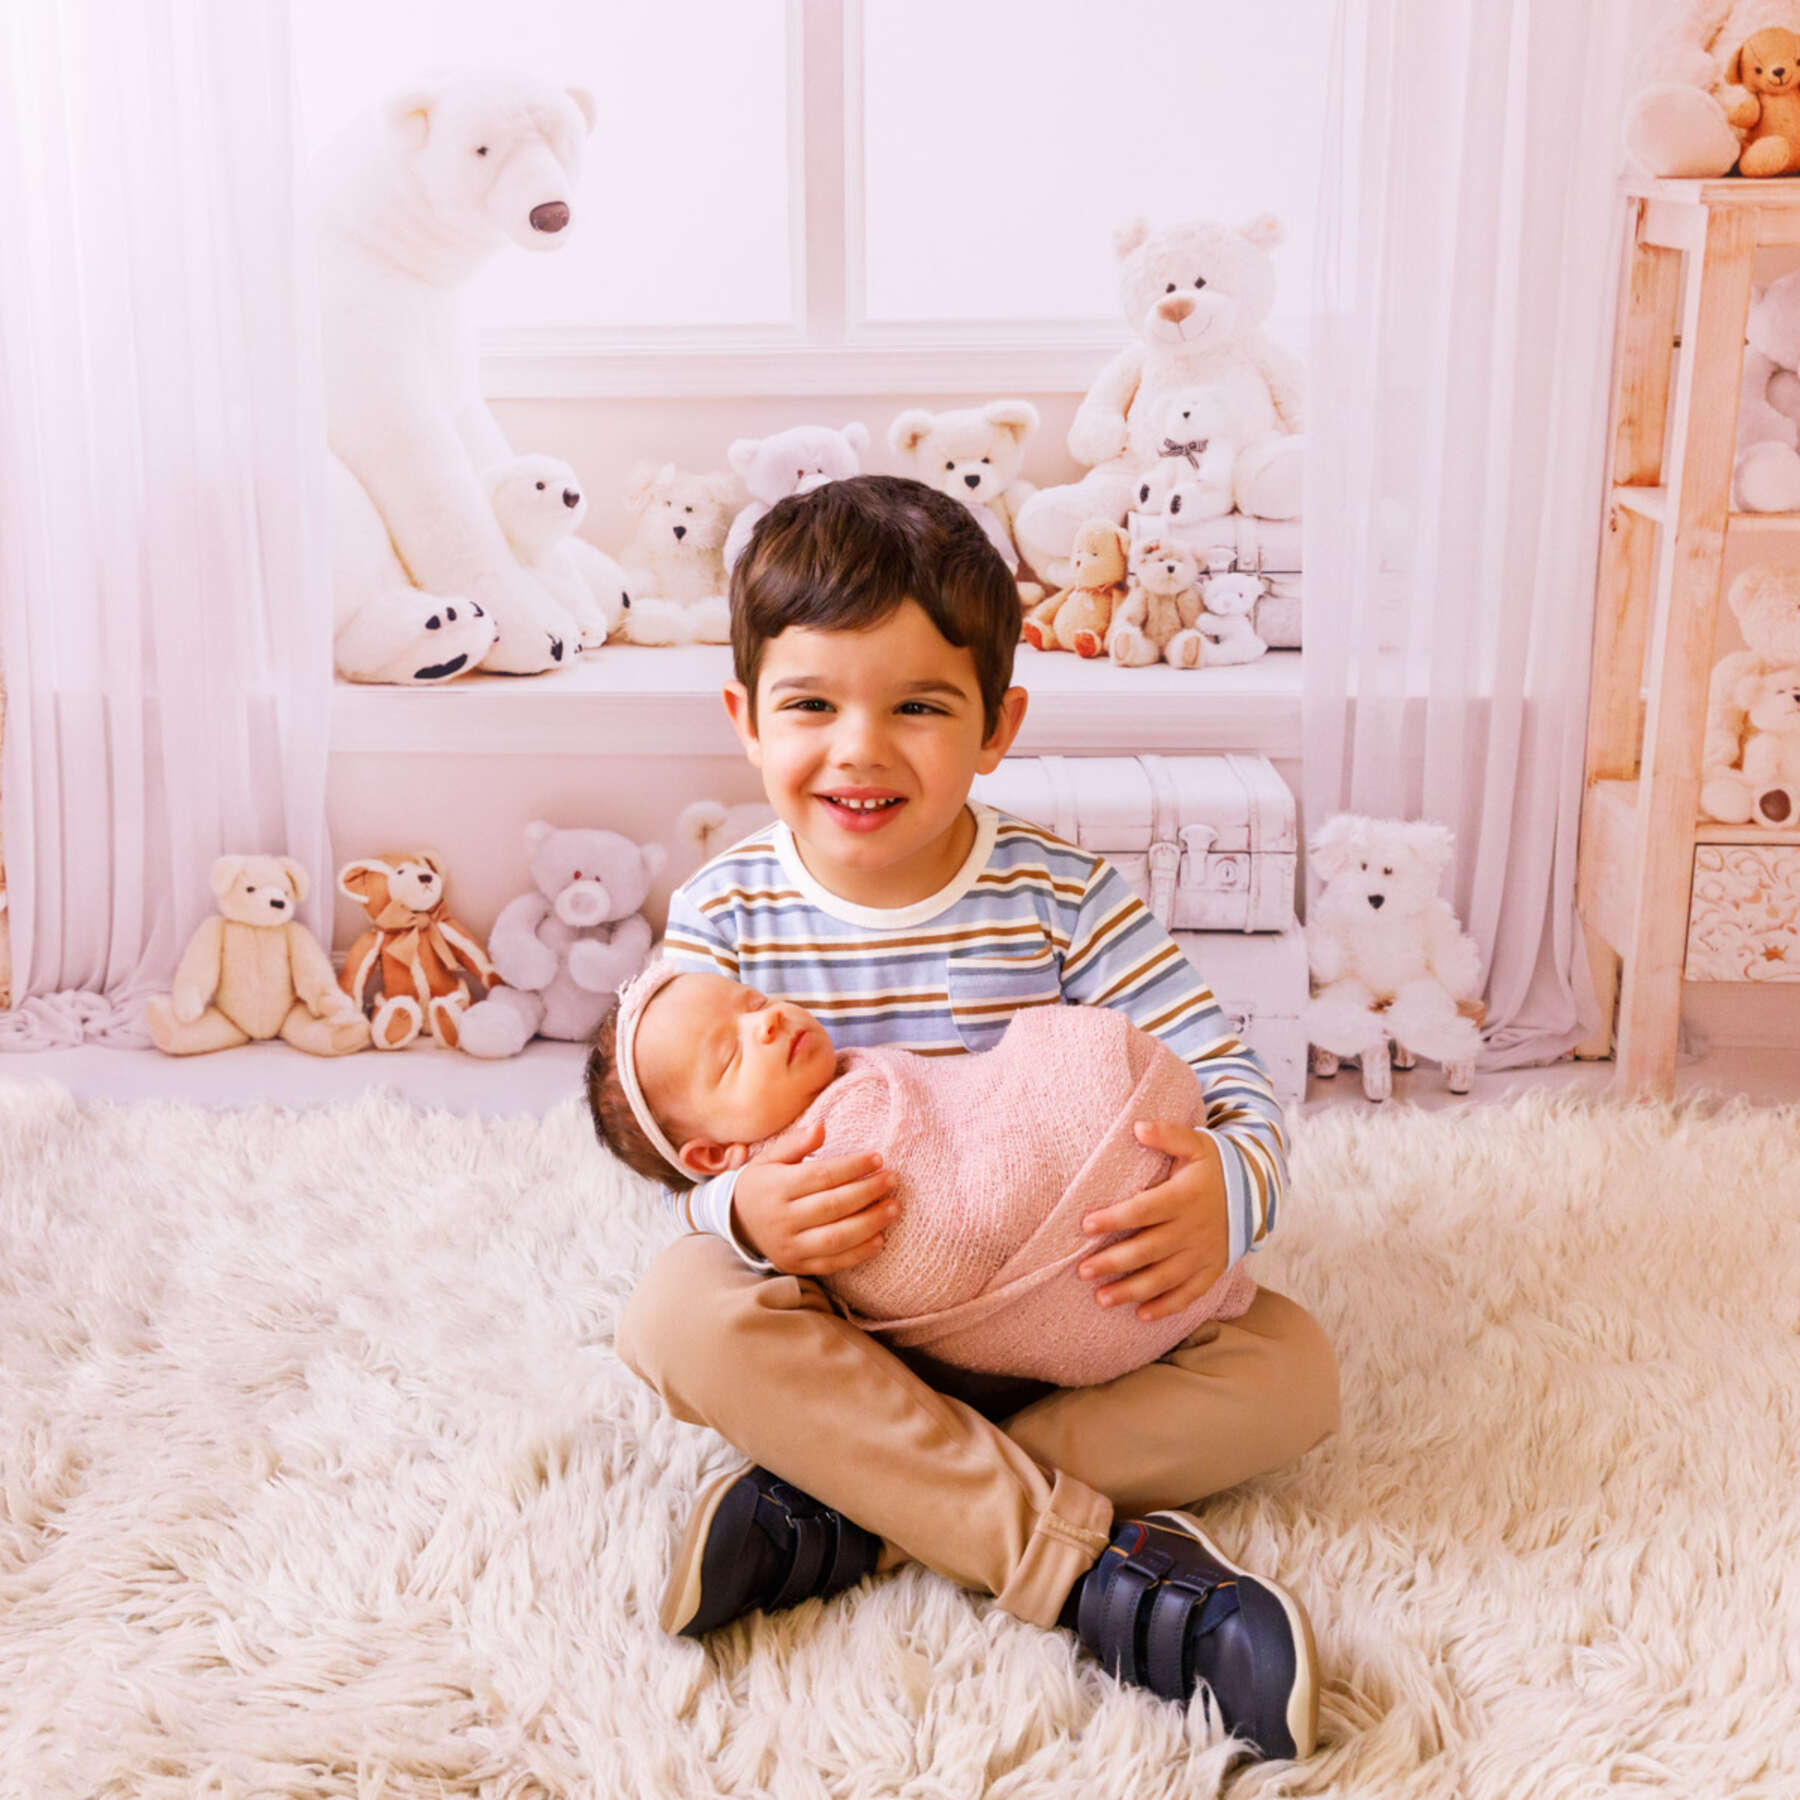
1165 1608
755 1544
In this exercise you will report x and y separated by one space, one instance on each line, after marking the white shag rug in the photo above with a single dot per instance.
318 1477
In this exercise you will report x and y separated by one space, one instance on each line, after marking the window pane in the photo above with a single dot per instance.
1005 140
686 177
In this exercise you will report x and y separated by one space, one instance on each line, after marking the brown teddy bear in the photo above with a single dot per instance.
1078 617
1767 66
1162 607
420 951
255 972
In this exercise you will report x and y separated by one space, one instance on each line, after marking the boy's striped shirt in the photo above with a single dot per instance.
1028 921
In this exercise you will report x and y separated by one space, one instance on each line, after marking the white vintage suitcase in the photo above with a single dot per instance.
1260 981
1206 842
1229 541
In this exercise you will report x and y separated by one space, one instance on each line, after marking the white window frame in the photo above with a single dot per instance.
833 348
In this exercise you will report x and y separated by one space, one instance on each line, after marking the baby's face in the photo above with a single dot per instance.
722 1066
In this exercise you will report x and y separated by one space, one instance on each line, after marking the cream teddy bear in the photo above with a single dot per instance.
1229 603
410 202
253 971
974 455
539 504
791 462
1079 616
1196 460
1766 476
1161 610
1765 599
1197 296
1771 704
674 565
1389 961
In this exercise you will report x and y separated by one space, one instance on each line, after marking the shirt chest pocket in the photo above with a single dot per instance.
988 986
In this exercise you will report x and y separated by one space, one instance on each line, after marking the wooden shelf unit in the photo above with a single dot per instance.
1677 359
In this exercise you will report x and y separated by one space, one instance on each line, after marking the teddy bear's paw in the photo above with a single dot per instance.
397 1022
1377 1075
1325 1063
447 1011
1774 807
1459 1077
1086 643
1402 1058
1185 650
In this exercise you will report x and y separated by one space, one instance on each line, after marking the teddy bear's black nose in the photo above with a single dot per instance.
1375 901
1778 72
553 215
276 901
971 481
426 878
571 497
680 533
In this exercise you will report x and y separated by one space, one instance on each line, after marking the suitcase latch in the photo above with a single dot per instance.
1164 861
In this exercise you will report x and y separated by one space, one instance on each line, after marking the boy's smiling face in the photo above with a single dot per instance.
867 741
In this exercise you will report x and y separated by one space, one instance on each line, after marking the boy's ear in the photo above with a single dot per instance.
737 709
1012 715
702 1157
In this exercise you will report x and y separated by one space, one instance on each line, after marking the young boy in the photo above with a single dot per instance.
873 628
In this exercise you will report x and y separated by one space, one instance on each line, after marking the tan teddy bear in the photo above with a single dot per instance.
255 972
1767 66
1079 616
417 948
1161 613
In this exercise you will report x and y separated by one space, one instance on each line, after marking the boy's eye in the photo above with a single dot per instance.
807 705
919 705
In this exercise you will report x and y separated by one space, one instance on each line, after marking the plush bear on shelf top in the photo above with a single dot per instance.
1389 960
567 947
791 462
974 455
410 202
1198 296
675 563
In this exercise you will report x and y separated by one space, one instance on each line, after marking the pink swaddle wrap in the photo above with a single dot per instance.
999 1157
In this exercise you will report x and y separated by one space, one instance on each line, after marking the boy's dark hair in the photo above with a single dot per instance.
844 556
615 1124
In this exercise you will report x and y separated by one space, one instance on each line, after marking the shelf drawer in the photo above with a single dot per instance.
1744 913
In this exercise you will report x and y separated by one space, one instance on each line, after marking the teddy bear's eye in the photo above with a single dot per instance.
481 149
1386 871
1199 281
1365 868
1170 288
987 459
577 874
950 465
1144 491
251 889
799 474
540 487
687 509
1174 503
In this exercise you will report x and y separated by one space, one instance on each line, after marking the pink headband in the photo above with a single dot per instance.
634 996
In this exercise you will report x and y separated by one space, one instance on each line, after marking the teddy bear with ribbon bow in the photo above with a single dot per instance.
423 957
1196 461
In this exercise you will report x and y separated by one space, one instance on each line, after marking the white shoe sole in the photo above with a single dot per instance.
1303 1702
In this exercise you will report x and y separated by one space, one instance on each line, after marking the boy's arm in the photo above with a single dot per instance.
1119 956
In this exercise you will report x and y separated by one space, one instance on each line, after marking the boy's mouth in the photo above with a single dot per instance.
861 809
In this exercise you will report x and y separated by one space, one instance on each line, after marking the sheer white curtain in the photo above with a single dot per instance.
1459 370
163 573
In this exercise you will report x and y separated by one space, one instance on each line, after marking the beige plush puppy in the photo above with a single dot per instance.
1161 614
255 972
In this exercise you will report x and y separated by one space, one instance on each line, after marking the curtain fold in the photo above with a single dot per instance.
1466 281
164 597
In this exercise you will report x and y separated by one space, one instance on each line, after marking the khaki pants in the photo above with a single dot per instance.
1002 1485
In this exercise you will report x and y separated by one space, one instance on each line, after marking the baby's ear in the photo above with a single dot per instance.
701 1157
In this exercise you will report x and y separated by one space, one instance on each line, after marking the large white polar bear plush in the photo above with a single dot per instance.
1197 296
1678 121
410 200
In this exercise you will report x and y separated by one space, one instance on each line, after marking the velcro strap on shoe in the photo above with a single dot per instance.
1116 1637
815 1542
1166 1641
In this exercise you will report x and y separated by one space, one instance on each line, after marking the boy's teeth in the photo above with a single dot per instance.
861 805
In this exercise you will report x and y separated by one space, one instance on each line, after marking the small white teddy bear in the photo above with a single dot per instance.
1771 703
674 565
1227 622
791 462
1765 600
1389 960
1196 461
539 504
1161 609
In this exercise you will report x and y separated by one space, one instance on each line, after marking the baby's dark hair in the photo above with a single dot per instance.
615 1124
844 556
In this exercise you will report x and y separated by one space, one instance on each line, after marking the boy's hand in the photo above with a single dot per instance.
813 1218
1180 1241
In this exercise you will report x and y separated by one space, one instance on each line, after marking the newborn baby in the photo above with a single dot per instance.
998 1157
